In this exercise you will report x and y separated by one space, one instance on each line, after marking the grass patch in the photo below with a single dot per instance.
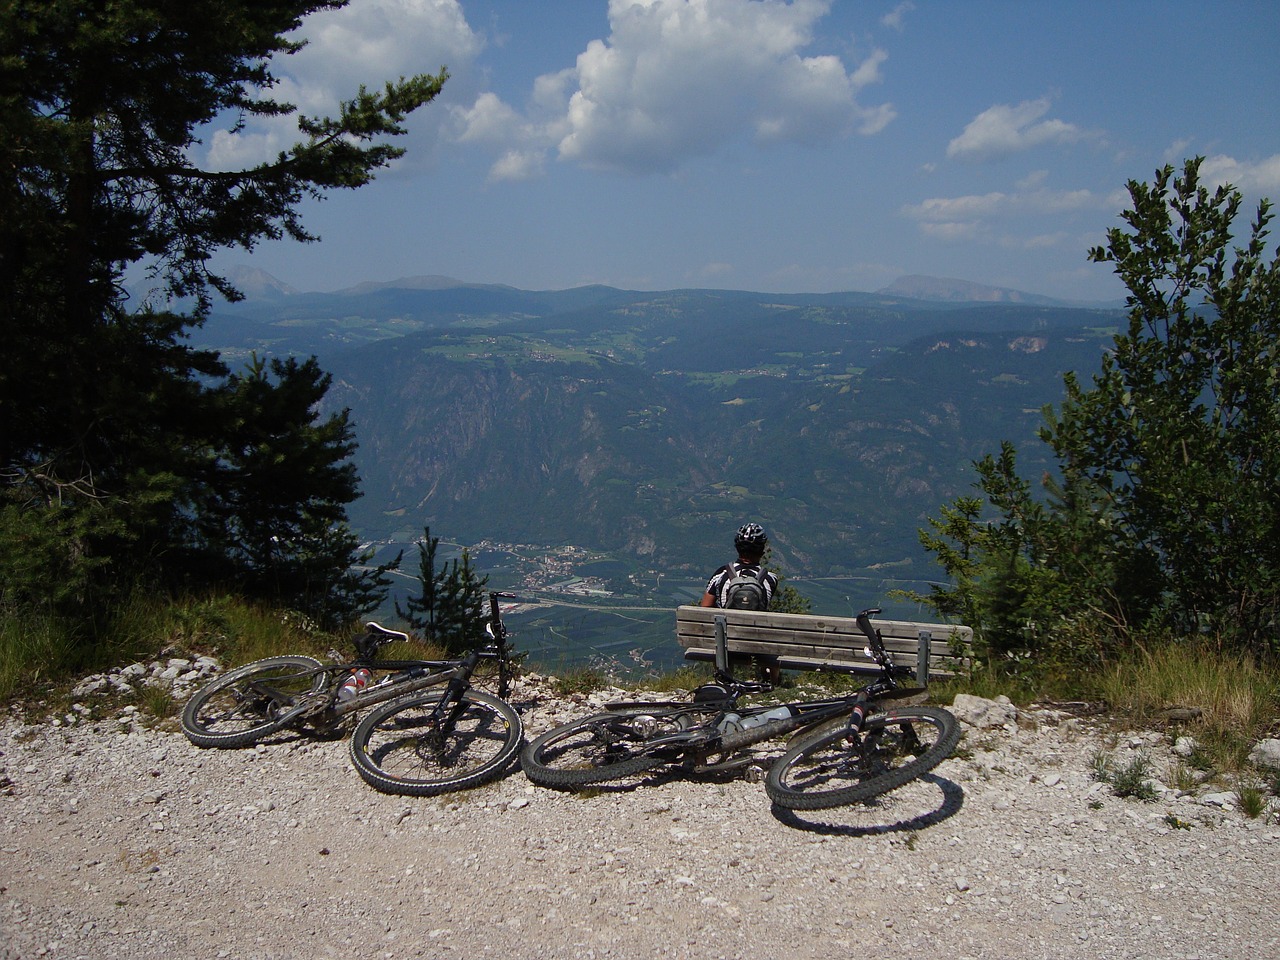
39 654
1133 779
1183 776
1128 779
32 652
584 679
1020 689
681 680
157 701
828 681
1236 698
1100 766
237 633
40 651
1251 799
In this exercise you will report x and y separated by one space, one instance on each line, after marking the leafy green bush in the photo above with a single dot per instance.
1164 508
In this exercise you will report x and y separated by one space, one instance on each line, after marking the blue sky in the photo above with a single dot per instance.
803 146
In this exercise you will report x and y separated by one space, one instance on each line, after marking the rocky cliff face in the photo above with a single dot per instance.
528 449
536 439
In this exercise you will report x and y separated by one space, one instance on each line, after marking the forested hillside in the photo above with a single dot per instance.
650 423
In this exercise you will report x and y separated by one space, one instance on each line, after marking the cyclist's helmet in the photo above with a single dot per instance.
751 538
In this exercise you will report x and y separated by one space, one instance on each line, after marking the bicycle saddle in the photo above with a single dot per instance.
710 692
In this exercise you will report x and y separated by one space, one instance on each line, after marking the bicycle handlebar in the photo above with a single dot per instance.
876 648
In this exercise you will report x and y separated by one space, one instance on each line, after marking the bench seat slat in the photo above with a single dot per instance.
938 667
797 663
806 621
772 645
821 627
938 644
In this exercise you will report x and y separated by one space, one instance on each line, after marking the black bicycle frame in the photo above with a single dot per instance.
410 676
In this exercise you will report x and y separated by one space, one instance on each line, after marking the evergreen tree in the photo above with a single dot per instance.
274 510
1181 429
115 428
419 612
450 606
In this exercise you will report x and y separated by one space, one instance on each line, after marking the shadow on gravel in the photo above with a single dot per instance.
651 778
878 815
288 736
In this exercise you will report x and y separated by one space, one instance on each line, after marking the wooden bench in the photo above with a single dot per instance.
794 641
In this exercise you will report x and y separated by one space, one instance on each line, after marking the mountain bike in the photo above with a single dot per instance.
842 750
429 731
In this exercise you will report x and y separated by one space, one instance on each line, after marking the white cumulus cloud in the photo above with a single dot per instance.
894 18
518 165
1004 129
677 79
365 43
488 120
990 215
1258 177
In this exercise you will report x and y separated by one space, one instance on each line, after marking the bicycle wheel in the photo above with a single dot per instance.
400 747
896 747
248 703
609 746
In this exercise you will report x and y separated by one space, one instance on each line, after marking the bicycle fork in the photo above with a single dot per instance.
444 715
865 749
860 747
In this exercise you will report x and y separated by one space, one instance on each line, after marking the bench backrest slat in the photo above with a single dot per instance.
820 639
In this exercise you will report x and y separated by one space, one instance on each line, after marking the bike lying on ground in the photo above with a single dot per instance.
842 750
430 731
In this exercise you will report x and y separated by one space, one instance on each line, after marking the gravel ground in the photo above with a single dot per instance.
120 840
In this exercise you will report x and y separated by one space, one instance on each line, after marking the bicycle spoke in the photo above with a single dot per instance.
833 769
250 702
404 747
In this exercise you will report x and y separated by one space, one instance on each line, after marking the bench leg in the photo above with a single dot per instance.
924 641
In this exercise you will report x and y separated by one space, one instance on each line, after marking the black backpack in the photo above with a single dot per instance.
745 589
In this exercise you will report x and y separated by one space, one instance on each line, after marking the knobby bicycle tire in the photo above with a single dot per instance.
399 748
898 746
608 746
243 705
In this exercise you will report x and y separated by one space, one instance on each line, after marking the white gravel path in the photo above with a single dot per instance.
123 842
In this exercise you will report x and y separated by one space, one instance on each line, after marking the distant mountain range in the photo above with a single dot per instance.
259 284
650 424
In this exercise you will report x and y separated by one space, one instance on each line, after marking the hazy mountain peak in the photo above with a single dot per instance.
253 282
420 282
